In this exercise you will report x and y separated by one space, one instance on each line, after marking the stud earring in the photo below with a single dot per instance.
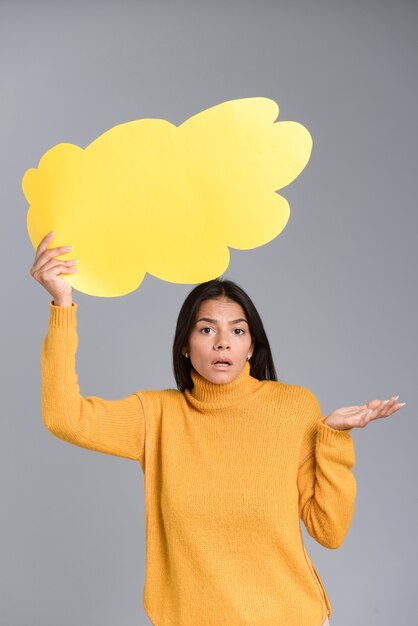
187 355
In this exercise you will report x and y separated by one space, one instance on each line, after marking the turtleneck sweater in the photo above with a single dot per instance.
230 470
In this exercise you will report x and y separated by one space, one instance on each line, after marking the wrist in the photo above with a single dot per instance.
62 302
328 422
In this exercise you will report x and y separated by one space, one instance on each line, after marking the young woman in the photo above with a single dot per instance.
232 460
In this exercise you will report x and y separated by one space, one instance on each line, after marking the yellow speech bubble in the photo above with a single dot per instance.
149 196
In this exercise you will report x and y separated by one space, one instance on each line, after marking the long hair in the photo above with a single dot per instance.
261 362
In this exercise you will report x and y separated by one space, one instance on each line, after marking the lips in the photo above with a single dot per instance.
221 362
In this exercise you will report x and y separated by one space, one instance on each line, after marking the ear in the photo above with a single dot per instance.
184 350
251 350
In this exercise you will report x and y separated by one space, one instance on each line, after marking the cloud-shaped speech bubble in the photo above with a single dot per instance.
149 196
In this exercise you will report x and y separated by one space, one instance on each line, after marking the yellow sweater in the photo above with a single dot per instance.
229 470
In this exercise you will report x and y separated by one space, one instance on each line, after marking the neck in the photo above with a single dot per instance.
206 394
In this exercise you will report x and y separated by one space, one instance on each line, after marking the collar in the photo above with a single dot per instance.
208 395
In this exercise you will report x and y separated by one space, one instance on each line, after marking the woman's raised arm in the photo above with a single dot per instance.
110 426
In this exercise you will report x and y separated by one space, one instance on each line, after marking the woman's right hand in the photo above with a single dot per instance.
47 270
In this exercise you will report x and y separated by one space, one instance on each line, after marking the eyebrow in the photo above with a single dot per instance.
211 321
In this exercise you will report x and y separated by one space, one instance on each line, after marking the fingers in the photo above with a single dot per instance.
53 263
51 252
375 409
44 243
47 261
43 254
359 416
391 405
383 408
50 271
61 269
374 404
47 238
48 276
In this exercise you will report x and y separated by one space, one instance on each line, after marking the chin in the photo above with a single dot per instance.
223 377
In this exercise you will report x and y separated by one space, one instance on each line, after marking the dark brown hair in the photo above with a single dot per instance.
261 362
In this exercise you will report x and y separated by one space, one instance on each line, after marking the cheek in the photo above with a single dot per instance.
197 342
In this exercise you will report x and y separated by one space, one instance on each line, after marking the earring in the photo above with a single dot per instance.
248 357
187 355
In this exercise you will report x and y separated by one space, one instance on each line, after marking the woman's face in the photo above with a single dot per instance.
220 333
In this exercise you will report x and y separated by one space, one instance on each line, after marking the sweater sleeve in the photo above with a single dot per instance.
114 427
327 487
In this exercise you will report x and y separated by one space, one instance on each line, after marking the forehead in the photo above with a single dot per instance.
222 307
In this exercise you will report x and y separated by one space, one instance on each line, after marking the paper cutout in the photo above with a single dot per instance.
147 196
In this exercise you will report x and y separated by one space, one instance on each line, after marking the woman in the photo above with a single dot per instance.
232 460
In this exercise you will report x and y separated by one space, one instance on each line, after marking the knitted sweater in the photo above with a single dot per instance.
229 471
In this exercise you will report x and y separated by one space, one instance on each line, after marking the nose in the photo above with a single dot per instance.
221 343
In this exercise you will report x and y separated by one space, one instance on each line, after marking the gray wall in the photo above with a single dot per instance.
336 290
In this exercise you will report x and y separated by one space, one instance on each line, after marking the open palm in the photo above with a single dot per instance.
359 416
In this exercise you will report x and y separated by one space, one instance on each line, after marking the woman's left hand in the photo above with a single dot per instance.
359 416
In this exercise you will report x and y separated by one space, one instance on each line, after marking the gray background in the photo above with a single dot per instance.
336 290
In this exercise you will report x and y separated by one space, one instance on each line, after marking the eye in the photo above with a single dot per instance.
202 330
240 331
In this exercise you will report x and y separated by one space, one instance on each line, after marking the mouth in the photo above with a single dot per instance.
221 363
